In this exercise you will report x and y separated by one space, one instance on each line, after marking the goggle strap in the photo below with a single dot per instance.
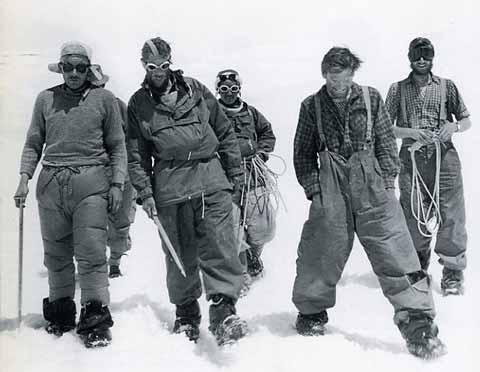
153 48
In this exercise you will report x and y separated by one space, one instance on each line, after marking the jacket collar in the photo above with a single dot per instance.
177 81
181 86
433 79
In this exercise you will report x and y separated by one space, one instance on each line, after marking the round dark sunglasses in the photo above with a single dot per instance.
68 67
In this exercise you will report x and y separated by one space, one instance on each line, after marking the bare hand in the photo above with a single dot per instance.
21 193
446 131
114 199
423 136
148 206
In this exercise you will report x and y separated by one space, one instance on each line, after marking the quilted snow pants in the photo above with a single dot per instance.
200 230
118 238
72 203
353 199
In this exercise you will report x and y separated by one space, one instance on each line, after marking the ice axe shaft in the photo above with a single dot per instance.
168 243
20 263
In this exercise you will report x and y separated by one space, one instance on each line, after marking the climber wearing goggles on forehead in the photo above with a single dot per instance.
255 215
428 110
185 164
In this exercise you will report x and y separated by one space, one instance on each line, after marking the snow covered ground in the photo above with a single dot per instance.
277 47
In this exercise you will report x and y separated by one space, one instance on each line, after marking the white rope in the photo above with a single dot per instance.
428 219
263 182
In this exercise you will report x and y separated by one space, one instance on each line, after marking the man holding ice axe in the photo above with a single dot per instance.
176 121
76 130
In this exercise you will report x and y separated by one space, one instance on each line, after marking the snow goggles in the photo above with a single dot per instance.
225 89
228 76
152 66
426 52
68 67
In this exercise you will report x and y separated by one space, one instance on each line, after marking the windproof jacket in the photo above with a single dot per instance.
253 130
193 145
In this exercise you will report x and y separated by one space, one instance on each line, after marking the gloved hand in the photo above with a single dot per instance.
238 182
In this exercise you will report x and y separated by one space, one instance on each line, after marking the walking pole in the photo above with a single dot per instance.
20 263
166 240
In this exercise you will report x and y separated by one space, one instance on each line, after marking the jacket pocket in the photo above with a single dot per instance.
183 139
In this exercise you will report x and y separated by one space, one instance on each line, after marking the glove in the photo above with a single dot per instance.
238 183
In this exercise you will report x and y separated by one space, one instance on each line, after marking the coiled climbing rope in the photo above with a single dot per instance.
426 212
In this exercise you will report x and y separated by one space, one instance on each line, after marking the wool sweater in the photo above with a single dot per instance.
75 129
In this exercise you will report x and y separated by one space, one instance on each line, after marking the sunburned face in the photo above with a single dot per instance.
158 70
422 66
339 82
228 91
74 70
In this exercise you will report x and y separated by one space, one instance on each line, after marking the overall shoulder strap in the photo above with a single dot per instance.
318 116
366 98
443 99
403 103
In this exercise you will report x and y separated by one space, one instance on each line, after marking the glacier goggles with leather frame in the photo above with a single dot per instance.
424 51
225 89
152 66
228 76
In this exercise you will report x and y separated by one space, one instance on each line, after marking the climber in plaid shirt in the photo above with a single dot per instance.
423 107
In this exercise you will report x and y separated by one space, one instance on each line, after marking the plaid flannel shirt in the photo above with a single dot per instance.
344 135
423 106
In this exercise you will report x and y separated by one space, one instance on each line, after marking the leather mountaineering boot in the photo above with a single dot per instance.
254 264
225 324
114 272
421 334
311 324
188 320
246 284
452 282
94 325
60 315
